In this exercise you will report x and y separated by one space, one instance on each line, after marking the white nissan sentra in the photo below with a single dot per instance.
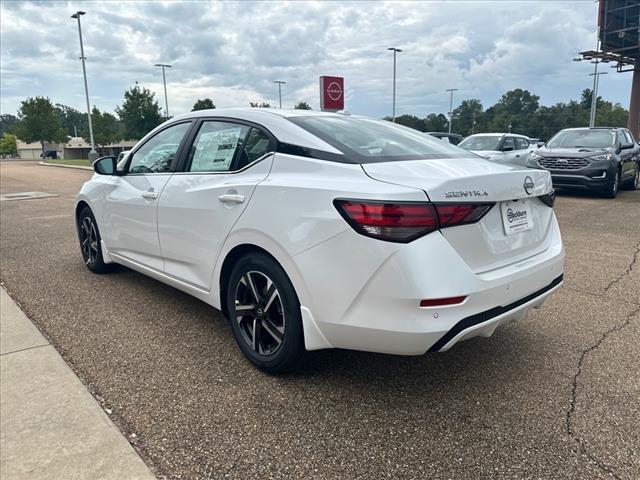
319 230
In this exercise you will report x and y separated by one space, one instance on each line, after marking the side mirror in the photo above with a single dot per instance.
540 144
507 149
105 166
627 145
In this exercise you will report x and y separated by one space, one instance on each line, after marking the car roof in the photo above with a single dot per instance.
593 128
275 120
497 135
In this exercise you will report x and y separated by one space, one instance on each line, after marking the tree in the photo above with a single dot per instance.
72 120
467 116
7 122
204 104
139 114
106 128
259 105
436 123
302 106
8 144
38 122
410 121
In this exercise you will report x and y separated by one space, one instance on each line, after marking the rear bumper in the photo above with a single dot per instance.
382 314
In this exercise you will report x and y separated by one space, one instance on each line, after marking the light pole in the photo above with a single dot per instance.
594 95
164 81
395 51
93 155
280 83
450 90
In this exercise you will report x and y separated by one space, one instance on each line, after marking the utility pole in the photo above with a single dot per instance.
93 155
164 81
395 51
451 90
280 83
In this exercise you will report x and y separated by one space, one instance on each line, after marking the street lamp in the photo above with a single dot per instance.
595 75
395 51
451 90
280 83
93 155
164 81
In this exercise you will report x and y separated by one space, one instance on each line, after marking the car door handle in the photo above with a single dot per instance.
151 195
231 198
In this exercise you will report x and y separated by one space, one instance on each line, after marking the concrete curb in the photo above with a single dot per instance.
51 427
77 167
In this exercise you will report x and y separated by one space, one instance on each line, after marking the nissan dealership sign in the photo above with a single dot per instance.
331 93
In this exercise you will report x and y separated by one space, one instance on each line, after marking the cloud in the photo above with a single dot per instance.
232 52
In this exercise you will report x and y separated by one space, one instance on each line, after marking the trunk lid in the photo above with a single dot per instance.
487 244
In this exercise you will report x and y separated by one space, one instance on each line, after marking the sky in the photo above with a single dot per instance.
232 52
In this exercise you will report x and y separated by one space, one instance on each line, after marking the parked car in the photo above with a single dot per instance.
452 138
122 155
52 154
321 230
509 148
600 159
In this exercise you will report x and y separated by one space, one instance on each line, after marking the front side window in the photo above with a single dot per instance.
628 137
521 143
368 140
158 153
583 139
508 144
215 146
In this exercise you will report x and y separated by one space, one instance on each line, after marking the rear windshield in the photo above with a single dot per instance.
583 138
481 142
369 140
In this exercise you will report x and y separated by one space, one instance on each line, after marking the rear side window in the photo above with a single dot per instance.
256 146
368 140
215 146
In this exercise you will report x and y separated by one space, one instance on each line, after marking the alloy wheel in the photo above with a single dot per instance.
636 181
89 240
259 313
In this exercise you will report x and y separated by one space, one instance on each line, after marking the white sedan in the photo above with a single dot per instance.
318 230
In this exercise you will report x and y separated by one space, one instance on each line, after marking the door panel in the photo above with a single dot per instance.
196 213
130 228
130 208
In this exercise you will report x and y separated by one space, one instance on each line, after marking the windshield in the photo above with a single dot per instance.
480 142
369 140
583 138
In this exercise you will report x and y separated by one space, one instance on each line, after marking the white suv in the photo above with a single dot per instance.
508 148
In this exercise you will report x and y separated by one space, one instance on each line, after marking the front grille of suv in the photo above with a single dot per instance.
564 163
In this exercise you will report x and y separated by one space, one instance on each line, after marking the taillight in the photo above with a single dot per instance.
453 214
549 199
405 221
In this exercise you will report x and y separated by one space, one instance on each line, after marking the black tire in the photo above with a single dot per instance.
268 327
634 182
611 190
89 237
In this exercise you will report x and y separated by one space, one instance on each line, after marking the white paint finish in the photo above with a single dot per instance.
194 221
355 291
129 218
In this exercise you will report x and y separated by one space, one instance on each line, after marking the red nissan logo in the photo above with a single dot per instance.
334 91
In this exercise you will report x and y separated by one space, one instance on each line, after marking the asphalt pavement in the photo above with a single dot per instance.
556 395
